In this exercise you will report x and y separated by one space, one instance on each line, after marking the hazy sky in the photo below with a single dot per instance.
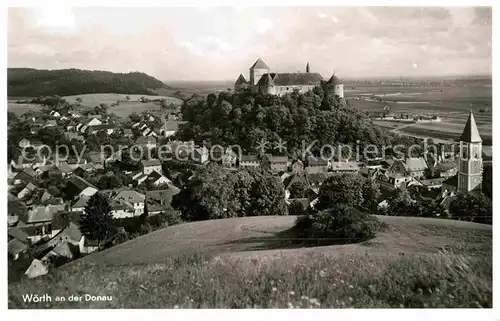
219 43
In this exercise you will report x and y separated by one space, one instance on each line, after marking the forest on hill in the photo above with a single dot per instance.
27 82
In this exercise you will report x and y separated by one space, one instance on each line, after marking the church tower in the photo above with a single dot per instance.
307 68
470 171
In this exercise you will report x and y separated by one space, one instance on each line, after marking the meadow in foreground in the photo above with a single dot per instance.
312 281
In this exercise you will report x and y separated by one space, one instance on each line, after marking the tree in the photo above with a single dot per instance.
95 222
339 224
473 207
127 98
79 101
341 189
298 190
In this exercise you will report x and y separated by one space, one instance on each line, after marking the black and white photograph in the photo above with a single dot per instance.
282 156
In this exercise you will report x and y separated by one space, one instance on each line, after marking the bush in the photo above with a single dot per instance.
338 225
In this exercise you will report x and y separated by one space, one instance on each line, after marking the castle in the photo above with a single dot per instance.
266 82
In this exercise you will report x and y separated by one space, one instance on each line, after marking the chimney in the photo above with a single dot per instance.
307 68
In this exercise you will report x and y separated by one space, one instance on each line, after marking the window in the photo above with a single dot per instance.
464 151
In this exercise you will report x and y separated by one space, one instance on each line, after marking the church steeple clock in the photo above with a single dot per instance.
470 171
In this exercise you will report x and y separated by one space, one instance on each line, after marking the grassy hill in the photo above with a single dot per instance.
249 262
26 82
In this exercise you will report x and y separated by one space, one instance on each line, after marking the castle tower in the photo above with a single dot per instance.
258 69
336 84
266 85
307 68
470 171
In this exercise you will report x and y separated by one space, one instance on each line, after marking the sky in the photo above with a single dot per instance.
219 43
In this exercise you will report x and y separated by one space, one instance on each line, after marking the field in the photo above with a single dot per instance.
249 262
91 100
452 104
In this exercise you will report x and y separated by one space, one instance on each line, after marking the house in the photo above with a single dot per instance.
249 161
25 143
71 135
36 268
63 250
71 234
316 165
200 155
143 127
122 209
108 128
33 161
413 166
15 248
127 132
26 191
136 125
38 222
316 179
298 167
275 163
27 175
88 246
345 167
432 183
83 129
157 179
75 114
446 169
159 201
55 113
148 142
229 159
50 123
64 169
80 204
169 128
80 186
71 126
370 172
93 121
394 180
152 165
96 158
134 198
139 177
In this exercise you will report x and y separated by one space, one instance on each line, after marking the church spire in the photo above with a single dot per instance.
307 67
471 133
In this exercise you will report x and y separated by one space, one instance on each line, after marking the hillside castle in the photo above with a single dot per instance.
266 82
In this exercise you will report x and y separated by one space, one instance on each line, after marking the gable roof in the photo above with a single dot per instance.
266 80
299 78
15 246
241 80
334 80
146 140
81 202
36 268
18 233
415 164
130 196
260 64
316 161
73 232
161 199
249 158
151 162
64 167
43 213
80 182
471 133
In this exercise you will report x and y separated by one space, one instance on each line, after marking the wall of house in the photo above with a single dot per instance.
150 169
339 90
250 164
256 74
316 169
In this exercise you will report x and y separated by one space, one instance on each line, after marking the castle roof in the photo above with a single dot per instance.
295 79
471 134
241 80
266 80
333 80
259 64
